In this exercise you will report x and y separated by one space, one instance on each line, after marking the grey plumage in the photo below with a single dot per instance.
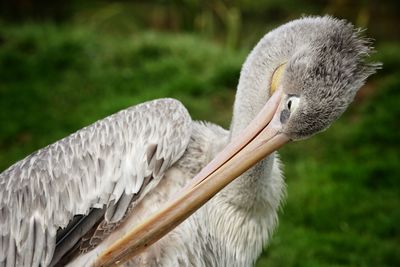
326 66
88 169
114 167
326 75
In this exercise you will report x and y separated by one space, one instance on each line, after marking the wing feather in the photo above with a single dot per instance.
104 164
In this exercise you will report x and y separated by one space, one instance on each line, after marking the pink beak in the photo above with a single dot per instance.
261 138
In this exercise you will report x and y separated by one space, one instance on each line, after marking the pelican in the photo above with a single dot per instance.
148 186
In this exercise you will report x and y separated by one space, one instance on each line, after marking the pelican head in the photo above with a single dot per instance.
319 82
297 80
318 74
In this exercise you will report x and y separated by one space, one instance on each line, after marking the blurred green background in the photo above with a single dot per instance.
66 64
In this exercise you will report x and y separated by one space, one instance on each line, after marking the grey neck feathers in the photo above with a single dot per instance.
273 49
255 77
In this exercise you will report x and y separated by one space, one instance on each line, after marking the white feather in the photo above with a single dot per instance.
87 169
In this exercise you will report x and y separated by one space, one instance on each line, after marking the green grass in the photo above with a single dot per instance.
55 80
343 185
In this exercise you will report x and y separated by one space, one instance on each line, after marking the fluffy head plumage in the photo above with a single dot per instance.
326 73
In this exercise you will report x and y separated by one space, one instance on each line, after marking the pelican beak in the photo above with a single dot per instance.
261 138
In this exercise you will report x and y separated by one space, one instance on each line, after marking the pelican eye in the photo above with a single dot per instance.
292 103
290 106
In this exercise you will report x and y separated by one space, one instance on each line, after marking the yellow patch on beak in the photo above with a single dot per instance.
276 78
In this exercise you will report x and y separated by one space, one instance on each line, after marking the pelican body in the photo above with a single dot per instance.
148 186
